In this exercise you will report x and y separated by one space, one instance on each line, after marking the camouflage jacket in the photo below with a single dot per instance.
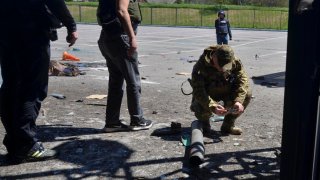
209 85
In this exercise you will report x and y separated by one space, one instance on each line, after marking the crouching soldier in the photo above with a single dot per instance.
219 76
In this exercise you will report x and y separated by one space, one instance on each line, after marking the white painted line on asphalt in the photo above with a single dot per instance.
141 66
271 54
188 51
100 69
173 39
262 40
106 68
78 44
148 82
98 61
107 78
144 55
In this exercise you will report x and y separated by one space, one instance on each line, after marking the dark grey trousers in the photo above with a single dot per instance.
121 68
24 68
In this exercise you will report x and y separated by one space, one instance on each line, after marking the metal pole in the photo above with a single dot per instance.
254 18
280 19
176 16
80 14
201 17
151 13
197 147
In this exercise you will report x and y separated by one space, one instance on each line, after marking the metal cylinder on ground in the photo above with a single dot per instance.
197 151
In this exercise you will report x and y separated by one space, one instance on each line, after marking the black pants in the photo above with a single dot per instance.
121 68
24 69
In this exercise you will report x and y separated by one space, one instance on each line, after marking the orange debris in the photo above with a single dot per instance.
69 57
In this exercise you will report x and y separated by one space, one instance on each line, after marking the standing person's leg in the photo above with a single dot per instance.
224 39
30 66
115 47
130 71
8 94
219 39
115 86
115 94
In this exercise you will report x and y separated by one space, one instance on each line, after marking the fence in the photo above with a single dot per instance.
259 19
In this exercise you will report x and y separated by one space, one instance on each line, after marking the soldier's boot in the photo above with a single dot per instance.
228 127
206 127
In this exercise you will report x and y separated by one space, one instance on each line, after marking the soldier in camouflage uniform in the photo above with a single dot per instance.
219 76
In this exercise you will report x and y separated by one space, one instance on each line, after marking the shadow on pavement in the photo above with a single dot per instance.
105 158
270 80
50 133
251 164
94 157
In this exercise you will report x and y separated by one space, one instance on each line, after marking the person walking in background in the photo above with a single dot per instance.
118 44
222 26
26 30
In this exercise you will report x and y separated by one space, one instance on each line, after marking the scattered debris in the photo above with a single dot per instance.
143 78
256 56
183 73
236 144
58 96
154 112
63 69
69 57
75 49
185 140
190 87
260 136
170 69
189 59
97 96
70 114
43 112
175 128
79 100
96 104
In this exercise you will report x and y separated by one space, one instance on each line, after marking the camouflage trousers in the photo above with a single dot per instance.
204 113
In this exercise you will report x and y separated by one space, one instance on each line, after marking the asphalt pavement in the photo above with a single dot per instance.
166 55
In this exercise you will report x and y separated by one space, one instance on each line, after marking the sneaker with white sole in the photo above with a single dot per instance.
36 153
121 126
141 125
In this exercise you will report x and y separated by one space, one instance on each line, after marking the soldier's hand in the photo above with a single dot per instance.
238 108
72 38
230 38
220 110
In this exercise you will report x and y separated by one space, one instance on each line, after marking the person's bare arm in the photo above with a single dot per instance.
122 9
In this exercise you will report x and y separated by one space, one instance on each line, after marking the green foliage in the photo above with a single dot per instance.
195 15
216 6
